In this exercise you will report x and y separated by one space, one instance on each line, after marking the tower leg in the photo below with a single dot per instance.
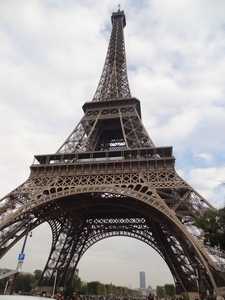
175 258
68 240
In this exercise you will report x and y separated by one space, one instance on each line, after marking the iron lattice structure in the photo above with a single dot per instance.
109 179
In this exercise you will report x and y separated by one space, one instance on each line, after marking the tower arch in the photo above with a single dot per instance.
119 205
110 167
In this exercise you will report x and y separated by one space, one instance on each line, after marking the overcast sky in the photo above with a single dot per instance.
51 58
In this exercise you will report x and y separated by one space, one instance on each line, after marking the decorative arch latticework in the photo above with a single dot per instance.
83 215
109 179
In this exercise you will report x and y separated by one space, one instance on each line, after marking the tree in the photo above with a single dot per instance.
213 225
101 290
109 289
24 282
37 275
170 290
160 291
77 283
92 287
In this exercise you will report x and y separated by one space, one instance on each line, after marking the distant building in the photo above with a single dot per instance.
142 280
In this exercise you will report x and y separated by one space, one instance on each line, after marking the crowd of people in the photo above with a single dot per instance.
77 296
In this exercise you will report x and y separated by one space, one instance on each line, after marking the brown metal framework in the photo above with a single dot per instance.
109 179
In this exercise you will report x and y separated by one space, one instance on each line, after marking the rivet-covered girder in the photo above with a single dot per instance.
108 127
109 179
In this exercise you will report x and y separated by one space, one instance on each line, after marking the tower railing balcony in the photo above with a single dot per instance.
117 102
132 155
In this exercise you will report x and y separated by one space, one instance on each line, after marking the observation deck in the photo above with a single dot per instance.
131 158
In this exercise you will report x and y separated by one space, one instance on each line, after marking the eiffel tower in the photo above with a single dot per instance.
109 179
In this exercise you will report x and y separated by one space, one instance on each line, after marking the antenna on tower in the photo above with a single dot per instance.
118 7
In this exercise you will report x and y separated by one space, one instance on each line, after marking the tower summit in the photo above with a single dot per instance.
119 14
113 83
109 179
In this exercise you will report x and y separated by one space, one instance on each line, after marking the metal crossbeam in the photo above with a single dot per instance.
109 179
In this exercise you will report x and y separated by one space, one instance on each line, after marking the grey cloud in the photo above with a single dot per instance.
51 57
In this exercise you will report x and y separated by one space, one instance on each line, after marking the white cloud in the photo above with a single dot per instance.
52 54
205 156
210 182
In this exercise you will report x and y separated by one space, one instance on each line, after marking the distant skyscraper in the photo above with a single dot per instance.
142 280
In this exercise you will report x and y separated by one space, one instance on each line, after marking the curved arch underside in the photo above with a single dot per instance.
79 221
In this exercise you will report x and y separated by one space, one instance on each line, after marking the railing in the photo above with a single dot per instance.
104 156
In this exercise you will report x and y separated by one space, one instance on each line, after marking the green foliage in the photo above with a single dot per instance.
170 290
109 289
37 274
160 291
77 283
93 287
98 288
37 277
213 225
24 282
